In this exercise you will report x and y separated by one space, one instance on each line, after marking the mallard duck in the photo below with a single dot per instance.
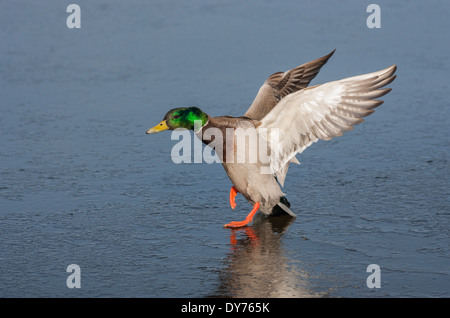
289 116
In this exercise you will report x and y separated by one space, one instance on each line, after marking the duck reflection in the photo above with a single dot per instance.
258 264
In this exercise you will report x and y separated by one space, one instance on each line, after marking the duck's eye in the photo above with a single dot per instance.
176 116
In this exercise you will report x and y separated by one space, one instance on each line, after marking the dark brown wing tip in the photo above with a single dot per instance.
327 57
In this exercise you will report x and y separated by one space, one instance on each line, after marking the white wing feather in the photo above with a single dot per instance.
320 112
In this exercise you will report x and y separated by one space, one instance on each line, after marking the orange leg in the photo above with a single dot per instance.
233 193
247 220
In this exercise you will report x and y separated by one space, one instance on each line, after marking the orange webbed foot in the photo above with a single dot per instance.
248 219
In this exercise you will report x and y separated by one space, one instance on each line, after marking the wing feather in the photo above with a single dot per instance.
281 84
321 112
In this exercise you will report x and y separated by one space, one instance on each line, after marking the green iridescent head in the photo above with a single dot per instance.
185 117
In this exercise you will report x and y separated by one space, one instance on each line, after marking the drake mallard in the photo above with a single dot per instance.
289 116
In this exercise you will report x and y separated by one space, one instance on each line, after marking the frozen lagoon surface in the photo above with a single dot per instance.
81 183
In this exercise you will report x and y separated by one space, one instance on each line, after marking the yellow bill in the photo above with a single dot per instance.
160 127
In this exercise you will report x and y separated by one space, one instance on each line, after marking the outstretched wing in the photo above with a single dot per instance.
321 112
281 84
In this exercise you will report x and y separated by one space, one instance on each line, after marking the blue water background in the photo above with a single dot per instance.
81 183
